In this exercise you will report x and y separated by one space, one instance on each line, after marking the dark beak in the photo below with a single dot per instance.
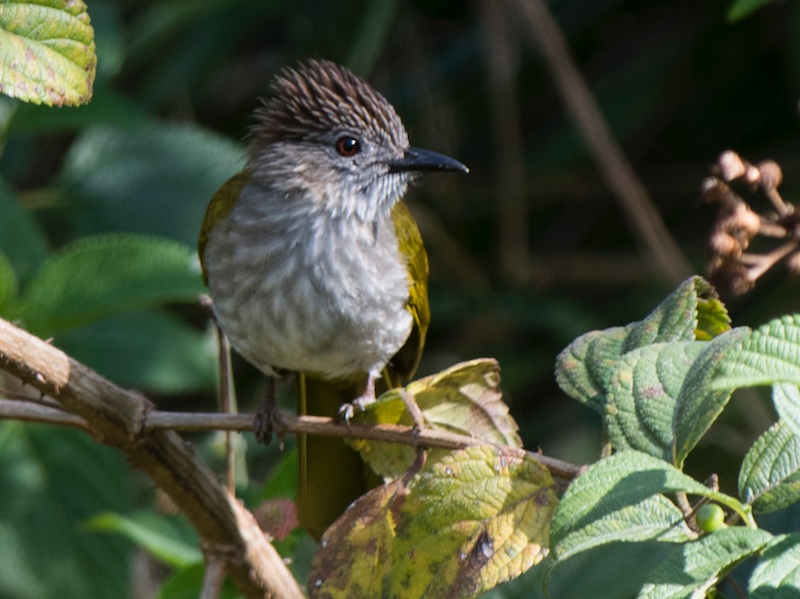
416 159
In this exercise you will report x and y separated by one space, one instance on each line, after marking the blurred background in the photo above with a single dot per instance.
534 247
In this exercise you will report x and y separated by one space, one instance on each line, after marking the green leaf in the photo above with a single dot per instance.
155 534
769 479
619 499
52 481
464 399
740 9
8 283
155 179
145 349
618 483
98 276
282 480
108 107
767 355
21 237
699 403
643 393
786 397
712 317
611 571
777 574
584 369
700 564
680 316
187 583
692 312
47 52
654 518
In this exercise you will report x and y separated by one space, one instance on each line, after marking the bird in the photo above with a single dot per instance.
315 264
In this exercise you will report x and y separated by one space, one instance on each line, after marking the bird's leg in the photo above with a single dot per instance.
268 419
360 403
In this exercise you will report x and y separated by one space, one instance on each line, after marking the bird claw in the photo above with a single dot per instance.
266 423
268 418
348 410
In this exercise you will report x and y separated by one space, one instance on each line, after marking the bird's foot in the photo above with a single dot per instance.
360 403
268 419
348 410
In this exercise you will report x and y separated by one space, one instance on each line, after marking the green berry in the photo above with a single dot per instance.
710 517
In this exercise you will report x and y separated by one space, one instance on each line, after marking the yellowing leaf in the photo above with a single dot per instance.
464 399
47 52
355 556
477 518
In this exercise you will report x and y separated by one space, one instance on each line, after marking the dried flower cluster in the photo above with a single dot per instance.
733 269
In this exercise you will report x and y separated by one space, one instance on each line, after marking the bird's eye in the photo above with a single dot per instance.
347 145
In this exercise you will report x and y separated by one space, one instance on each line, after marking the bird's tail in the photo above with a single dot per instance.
332 475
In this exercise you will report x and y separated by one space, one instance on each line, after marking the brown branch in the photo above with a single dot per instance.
646 222
290 424
115 416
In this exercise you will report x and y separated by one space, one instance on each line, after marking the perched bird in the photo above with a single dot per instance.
314 263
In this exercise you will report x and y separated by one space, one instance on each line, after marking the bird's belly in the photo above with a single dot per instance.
332 320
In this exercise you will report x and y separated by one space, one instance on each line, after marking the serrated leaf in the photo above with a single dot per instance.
692 312
643 393
585 367
613 484
464 399
155 179
654 518
98 276
47 52
145 349
767 355
699 403
463 525
770 475
678 317
777 574
786 397
475 519
155 534
611 571
700 564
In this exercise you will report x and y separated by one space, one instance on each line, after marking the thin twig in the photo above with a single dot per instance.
226 393
13 409
512 210
646 222
292 423
213 577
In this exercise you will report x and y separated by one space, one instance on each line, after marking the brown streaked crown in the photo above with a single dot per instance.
318 97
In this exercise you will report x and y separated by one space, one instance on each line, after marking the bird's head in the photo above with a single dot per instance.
329 134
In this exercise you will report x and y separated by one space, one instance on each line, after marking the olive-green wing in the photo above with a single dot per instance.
405 362
220 205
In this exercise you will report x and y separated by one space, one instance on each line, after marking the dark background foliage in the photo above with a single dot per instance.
177 81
